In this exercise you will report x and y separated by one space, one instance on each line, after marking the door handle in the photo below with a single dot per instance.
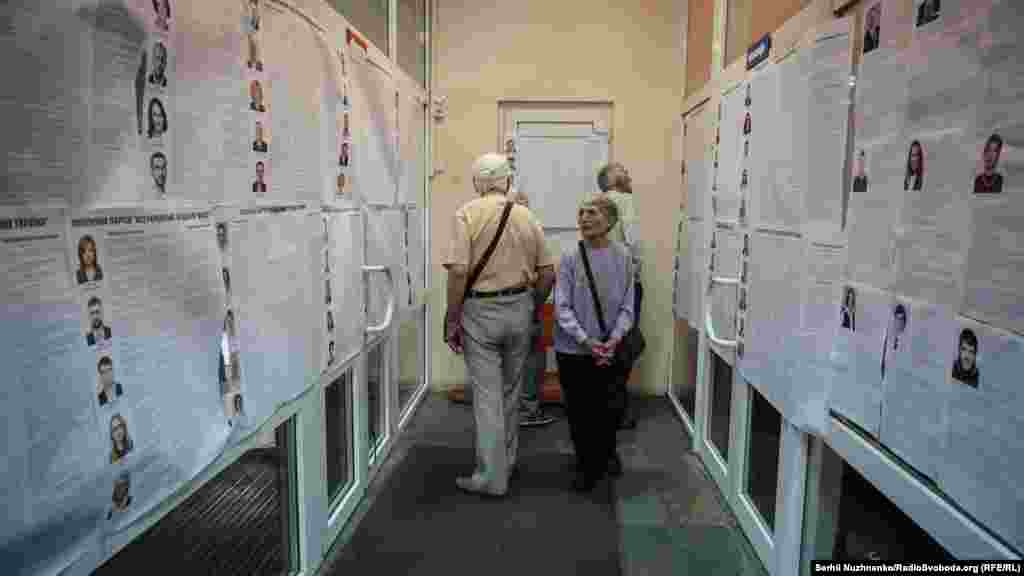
386 323
709 325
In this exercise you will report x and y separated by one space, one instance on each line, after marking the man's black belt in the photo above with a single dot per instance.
496 293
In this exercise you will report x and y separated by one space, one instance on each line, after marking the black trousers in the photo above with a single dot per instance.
593 408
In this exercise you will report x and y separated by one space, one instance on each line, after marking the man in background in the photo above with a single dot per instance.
531 410
492 324
613 179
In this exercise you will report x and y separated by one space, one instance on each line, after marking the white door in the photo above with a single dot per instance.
557 167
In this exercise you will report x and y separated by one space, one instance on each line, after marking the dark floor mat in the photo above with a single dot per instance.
422 524
231 525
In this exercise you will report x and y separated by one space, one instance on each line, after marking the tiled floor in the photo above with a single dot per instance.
670 515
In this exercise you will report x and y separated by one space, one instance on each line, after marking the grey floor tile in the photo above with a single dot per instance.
671 515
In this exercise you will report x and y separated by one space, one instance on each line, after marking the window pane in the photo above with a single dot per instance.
872 527
375 394
763 455
338 424
721 404
684 370
411 39
410 358
370 17
287 483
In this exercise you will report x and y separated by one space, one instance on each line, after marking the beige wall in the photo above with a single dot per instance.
631 53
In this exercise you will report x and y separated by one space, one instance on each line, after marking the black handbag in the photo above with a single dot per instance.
633 342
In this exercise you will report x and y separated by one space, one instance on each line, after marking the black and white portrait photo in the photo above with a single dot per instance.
965 364
158 73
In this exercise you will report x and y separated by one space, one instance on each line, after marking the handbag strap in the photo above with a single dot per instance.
593 288
487 253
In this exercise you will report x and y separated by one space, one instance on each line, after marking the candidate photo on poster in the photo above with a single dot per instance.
873 28
158 171
120 441
163 13
157 115
255 15
899 327
989 180
121 498
341 184
965 364
222 236
89 269
860 176
259 144
158 73
343 158
927 11
256 96
253 61
914 177
260 185
848 311
98 332
107 389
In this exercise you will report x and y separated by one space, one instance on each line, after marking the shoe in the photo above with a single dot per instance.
536 418
473 485
615 466
581 483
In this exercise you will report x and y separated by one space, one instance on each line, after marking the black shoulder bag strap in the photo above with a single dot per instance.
593 290
487 253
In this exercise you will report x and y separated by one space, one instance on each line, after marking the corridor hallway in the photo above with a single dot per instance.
664 516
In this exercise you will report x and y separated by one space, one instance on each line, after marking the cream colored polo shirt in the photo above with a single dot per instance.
518 255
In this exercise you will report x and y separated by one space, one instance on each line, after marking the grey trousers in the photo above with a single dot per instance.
496 341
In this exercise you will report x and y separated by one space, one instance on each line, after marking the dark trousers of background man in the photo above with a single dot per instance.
593 411
626 415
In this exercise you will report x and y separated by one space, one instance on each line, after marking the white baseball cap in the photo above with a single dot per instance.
491 165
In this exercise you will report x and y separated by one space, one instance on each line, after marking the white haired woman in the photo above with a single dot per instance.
587 333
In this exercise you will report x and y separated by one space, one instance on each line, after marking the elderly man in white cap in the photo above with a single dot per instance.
490 308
